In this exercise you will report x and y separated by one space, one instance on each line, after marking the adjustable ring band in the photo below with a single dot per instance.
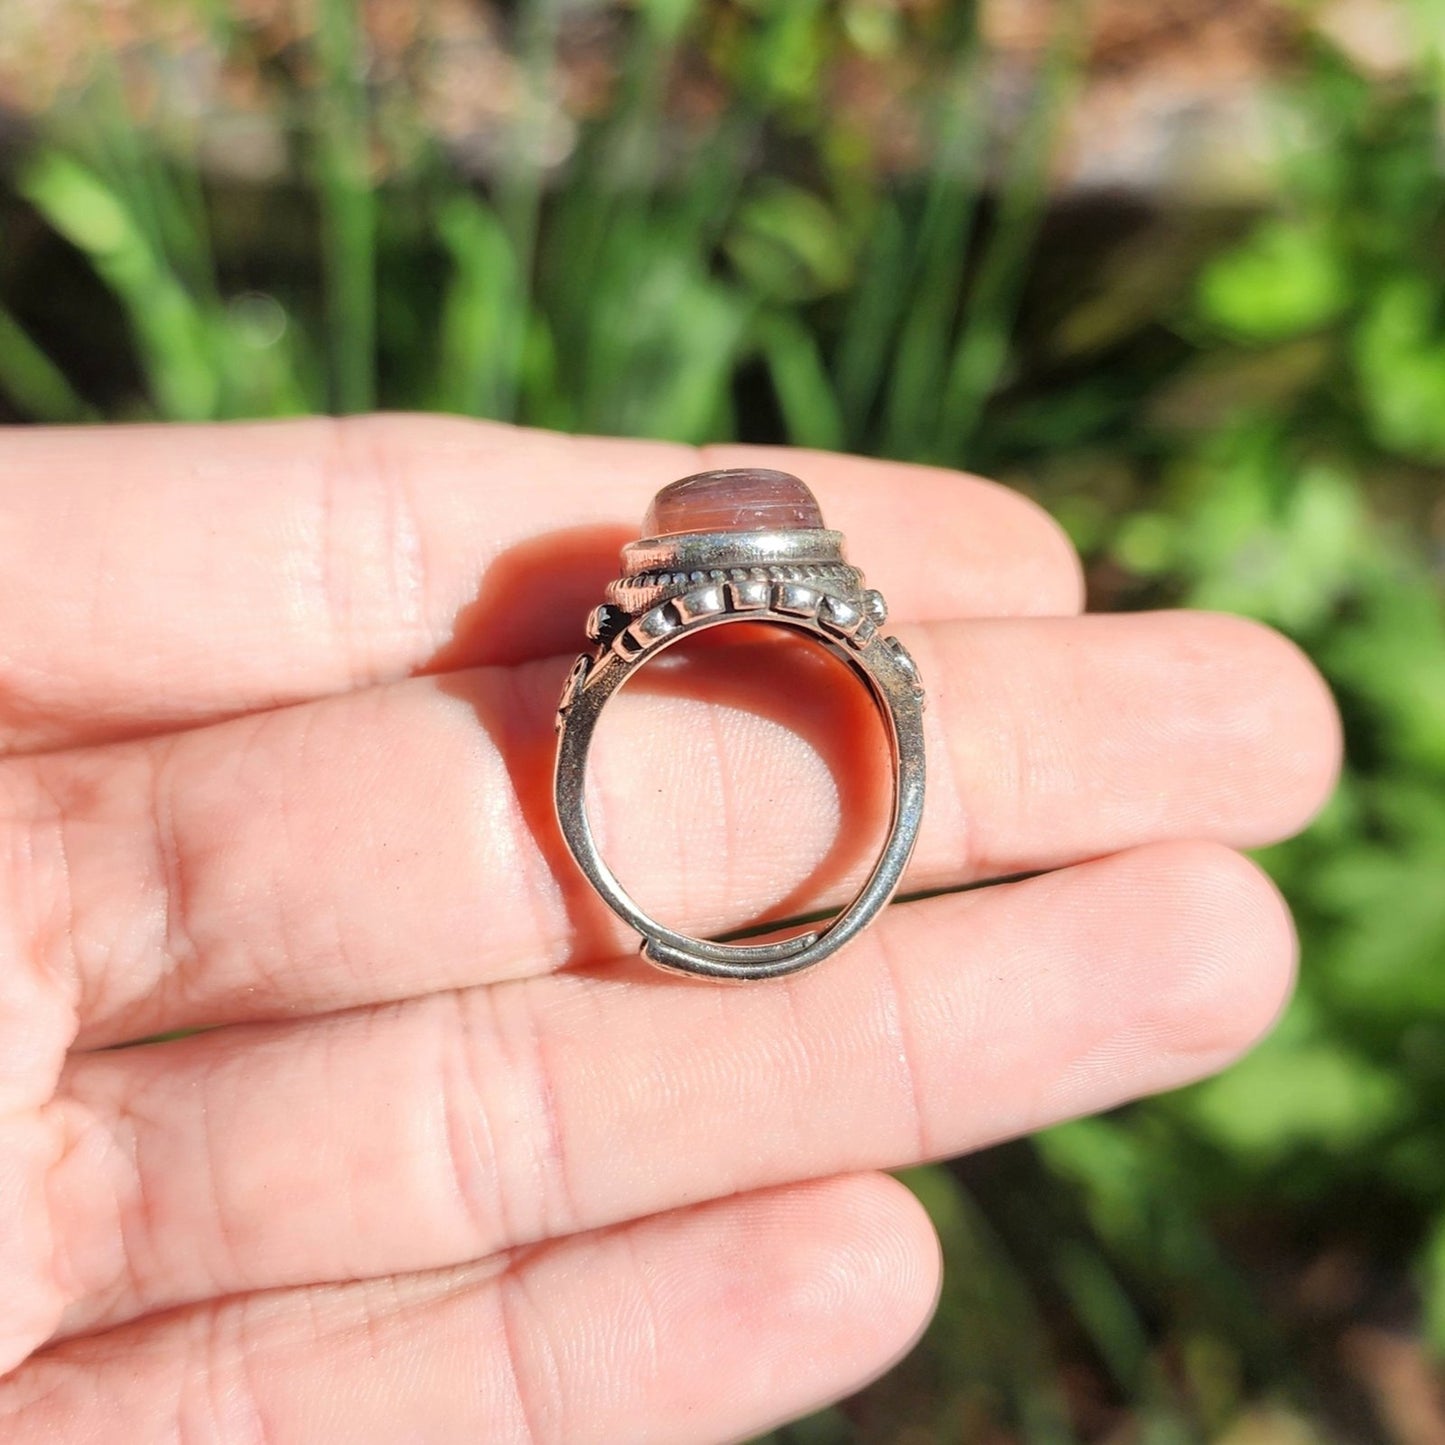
741 569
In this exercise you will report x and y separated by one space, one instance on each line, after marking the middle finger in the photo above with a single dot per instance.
383 844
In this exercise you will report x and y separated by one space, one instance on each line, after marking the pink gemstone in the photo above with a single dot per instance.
740 499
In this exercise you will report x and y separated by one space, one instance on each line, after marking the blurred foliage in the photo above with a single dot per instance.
1252 421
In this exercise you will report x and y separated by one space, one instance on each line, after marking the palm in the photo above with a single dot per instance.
445 1165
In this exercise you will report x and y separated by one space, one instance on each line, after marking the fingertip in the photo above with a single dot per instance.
1299 713
1238 950
852 1277
1244 704
890 1249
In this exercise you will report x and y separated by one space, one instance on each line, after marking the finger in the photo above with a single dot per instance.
155 577
402 840
705 1325
443 1128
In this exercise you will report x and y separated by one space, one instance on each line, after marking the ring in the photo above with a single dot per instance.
740 545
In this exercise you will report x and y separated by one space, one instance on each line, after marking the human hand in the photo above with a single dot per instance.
276 706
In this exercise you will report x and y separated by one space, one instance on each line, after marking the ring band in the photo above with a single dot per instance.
742 545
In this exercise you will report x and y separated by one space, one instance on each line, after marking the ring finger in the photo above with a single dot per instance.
441 1129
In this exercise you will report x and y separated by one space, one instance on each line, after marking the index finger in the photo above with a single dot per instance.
158 577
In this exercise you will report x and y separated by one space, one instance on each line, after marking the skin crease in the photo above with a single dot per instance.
449 1164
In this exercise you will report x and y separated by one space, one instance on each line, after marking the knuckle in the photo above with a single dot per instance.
508 1155
473 1155
369 565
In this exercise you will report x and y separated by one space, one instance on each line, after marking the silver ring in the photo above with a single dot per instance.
742 545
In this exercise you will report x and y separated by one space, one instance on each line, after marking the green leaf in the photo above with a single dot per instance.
788 246
1430 1270
1287 278
801 383
1400 361
32 381
175 337
483 320
1297 1094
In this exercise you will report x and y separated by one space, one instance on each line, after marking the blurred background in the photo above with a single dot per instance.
1174 267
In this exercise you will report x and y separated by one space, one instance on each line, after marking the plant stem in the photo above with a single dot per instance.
348 206
981 353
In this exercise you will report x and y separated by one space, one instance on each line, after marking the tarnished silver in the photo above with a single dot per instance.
673 587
